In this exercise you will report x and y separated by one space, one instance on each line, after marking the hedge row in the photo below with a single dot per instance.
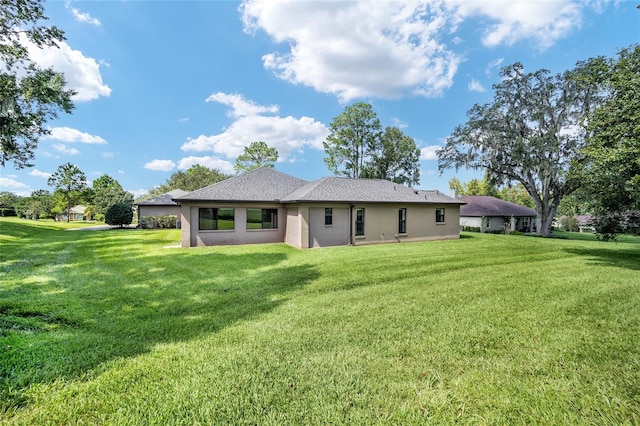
155 222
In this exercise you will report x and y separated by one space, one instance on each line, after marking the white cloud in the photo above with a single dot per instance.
288 135
210 162
81 73
38 173
475 86
496 63
85 17
240 107
138 192
183 120
160 165
110 154
69 135
63 149
357 49
429 152
11 184
121 172
396 122
542 23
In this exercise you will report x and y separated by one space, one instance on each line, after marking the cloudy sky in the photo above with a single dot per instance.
163 85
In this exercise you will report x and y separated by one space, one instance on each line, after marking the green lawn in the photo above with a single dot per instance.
116 327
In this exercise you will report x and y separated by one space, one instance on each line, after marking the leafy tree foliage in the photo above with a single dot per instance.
29 96
358 148
354 134
256 155
611 173
394 157
39 205
532 133
8 201
195 177
69 182
513 193
106 192
119 214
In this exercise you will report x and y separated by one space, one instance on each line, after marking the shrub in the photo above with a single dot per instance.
151 222
471 229
119 214
98 217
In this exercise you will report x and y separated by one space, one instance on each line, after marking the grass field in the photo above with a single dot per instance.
116 327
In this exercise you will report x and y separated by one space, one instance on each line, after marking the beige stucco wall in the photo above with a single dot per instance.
303 226
336 234
193 237
158 210
381 223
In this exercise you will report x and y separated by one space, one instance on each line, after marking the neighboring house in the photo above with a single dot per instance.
162 205
583 223
492 214
267 206
75 213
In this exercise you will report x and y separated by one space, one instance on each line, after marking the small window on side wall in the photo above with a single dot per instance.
359 222
402 221
439 215
328 216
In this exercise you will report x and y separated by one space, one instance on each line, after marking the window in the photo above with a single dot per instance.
439 215
212 219
402 221
359 222
262 218
488 222
328 216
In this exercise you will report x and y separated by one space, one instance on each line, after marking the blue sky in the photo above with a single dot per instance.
163 85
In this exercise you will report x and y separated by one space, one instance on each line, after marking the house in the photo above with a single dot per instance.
492 214
162 205
267 206
75 213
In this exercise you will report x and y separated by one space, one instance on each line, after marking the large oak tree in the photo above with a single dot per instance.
532 133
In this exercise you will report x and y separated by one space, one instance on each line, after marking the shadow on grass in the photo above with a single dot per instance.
71 302
621 258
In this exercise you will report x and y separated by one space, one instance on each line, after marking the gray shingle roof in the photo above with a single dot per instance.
164 199
364 191
263 184
483 205
269 185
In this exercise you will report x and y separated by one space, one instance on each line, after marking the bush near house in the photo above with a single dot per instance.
158 222
119 214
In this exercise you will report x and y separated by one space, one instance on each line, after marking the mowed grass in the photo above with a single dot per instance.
113 327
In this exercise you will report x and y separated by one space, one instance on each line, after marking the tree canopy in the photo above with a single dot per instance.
29 96
395 157
257 154
195 177
106 192
611 173
532 133
358 148
69 181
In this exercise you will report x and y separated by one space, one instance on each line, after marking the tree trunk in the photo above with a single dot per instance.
544 219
